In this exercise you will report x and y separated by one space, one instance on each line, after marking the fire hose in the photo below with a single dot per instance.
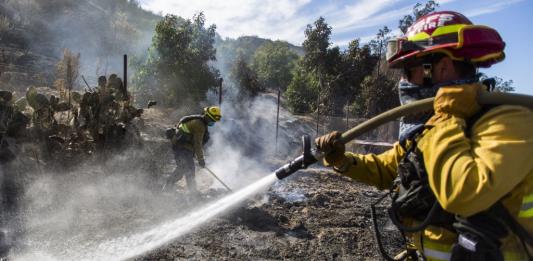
311 156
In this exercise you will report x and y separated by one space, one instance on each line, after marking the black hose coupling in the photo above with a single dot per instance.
301 162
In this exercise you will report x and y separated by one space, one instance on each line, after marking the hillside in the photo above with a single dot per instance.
33 35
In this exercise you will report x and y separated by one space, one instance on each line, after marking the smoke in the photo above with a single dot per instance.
244 146
68 214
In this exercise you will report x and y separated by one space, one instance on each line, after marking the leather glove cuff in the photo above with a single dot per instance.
341 165
344 165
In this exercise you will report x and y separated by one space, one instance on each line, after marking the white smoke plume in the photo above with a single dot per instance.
243 144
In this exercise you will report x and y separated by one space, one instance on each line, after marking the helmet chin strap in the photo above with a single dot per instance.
428 75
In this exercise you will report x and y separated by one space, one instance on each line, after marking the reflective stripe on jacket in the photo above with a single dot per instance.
197 129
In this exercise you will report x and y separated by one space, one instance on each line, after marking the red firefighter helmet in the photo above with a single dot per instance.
450 33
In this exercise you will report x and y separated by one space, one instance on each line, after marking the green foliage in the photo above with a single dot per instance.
254 63
246 79
360 61
334 74
501 85
419 10
319 59
245 47
378 94
504 86
336 86
177 68
302 92
379 44
274 63
316 45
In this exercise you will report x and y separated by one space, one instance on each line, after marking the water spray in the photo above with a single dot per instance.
311 156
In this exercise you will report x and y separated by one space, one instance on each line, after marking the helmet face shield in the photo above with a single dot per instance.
392 48
401 48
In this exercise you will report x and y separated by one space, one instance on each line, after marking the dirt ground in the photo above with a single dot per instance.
313 215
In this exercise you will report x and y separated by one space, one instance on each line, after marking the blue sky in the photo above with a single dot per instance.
286 20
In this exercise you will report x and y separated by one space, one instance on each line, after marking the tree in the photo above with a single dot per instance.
246 79
177 69
500 85
419 10
336 88
378 90
504 86
378 94
302 92
316 45
317 52
274 63
361 62
379 46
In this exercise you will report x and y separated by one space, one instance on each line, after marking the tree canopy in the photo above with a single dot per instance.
274 63
177 69
246 79
419 10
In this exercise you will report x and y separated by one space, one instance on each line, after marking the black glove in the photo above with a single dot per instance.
170 132
201 163
334 150
151 103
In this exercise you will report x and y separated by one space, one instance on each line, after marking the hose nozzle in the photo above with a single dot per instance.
301 162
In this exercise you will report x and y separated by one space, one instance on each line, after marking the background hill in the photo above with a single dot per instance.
33 35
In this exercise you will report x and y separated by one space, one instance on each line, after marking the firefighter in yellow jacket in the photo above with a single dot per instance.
188 138
462 176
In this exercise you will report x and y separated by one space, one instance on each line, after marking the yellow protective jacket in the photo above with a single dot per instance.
467 174
197 129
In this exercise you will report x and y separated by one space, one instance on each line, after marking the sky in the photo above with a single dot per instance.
287 19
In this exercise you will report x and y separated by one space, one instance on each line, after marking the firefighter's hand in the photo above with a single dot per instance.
201 163
333 149
459 101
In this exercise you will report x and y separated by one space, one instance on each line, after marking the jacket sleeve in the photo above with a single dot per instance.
197 129
377 170
468 175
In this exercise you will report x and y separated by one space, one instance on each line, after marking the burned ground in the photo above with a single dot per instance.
315 215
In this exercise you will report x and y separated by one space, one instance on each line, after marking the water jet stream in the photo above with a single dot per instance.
134 245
